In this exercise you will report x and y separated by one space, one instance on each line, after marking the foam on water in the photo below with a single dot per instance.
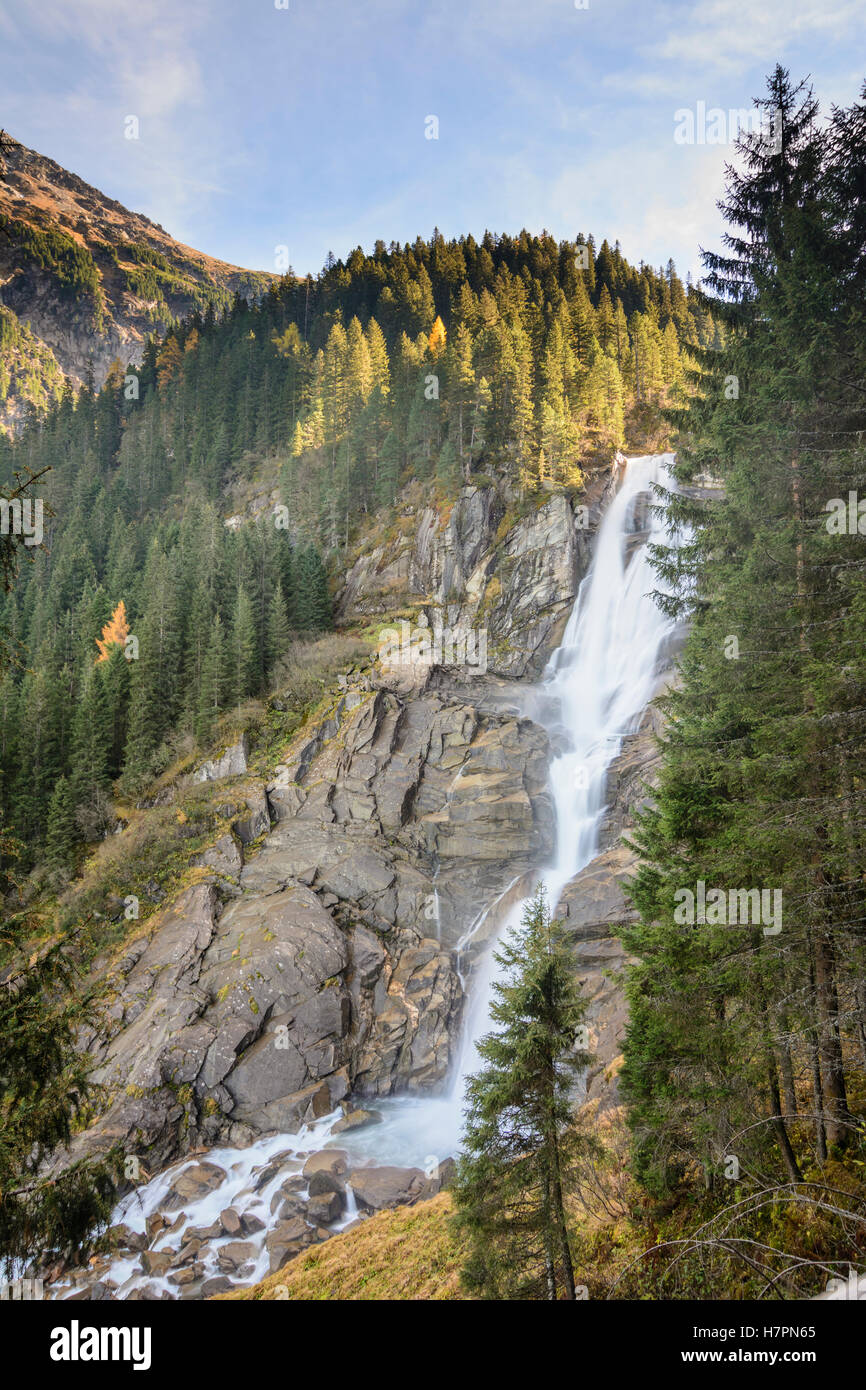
595 690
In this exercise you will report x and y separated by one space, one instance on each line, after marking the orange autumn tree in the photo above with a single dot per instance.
114 634
437 336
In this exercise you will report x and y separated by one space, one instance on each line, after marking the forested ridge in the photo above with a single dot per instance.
201 509
521 357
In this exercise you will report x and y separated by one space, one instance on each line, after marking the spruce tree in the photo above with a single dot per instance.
62 834
521 1136
743 1040
242 648
279 631
43 1091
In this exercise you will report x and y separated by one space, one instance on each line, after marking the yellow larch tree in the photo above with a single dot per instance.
114 634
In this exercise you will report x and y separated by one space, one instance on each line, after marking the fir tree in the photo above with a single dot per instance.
279 631
62 836
43 1091
521 1139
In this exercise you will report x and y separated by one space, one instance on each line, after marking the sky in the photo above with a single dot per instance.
305 124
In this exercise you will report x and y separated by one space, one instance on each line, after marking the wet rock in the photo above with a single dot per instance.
192 1184
286 1240
323 1182
124 1238
325 1207
230 1222
189 1250
357 1119
378 1188
236 1253
157 1262
218 1284
201 1233
154 1224
333 1161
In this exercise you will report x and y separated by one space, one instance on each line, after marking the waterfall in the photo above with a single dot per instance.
598 683
593 692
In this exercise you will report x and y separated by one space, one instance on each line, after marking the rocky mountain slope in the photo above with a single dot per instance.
322 958
84 281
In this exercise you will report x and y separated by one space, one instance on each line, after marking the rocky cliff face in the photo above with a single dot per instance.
324 965
318 956
473 571
90 279
320 960
595 908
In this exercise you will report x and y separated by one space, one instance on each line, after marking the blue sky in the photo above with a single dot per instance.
304 127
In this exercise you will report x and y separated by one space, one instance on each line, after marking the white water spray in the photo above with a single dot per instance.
596 688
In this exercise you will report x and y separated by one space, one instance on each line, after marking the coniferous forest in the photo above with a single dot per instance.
440 362
753 1045
584 968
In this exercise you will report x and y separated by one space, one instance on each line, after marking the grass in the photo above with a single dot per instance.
407 1254
625 1244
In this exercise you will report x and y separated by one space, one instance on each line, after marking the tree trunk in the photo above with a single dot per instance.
788 1155
815 1064
786 1069
830 1044
860 996
558 1214
549 1262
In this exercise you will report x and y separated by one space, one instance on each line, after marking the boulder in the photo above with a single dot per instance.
193 1183
230 1222
286 1240
236 1253
218 1284
378 1188
232 763
224 857
325 1208
257 820
323 1182
333 1161
356 1119
157 1262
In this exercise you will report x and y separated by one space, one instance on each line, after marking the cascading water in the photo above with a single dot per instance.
599 682
593 692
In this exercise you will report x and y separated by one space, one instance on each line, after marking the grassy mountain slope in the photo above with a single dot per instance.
89 279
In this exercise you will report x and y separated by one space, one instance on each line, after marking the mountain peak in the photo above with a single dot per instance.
84 281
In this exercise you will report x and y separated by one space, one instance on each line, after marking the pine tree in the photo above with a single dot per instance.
521 1140
62 835
279 631
242 648
733 1030
216 682
43 1091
